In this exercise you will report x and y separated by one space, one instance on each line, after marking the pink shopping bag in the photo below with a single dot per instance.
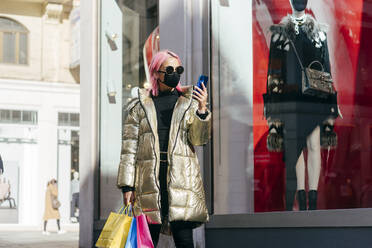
143 233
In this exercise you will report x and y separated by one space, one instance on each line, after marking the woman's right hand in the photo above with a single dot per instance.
128 197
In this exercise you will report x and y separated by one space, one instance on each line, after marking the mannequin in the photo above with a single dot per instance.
310 113
75 183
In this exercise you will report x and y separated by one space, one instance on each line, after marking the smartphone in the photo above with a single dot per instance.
202 80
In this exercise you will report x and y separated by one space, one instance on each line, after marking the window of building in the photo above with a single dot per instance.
18 116
278 147
13 42
68 119
125 29
140 19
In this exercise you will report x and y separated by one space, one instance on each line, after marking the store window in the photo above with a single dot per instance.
292 109
125 29
13 42
18 116
68 119
140 19
68 163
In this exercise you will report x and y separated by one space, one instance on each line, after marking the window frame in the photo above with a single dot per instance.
16 45
33 113
69 122
357 217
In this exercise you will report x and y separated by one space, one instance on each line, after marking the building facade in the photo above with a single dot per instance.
39 120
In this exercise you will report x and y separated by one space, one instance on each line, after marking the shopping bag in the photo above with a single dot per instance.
143 233
115 232
132 236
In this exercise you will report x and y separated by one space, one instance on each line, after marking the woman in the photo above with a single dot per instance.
51 210
159 169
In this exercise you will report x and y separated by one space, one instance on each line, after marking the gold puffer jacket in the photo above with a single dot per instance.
140 158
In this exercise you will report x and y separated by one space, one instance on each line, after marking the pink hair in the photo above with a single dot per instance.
156 62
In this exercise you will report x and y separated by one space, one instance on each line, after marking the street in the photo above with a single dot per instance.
17 239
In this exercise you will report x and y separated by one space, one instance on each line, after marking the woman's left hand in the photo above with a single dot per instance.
201 95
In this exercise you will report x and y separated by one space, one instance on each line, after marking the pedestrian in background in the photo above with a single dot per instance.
51 206
75 184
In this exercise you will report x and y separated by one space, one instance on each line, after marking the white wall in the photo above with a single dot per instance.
38 163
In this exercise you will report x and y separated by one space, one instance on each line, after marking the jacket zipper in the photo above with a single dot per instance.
174 146
156 157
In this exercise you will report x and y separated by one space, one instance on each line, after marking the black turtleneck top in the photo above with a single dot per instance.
164 105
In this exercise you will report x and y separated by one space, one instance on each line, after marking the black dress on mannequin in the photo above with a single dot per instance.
284 100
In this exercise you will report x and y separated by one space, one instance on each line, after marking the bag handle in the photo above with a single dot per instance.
123 209
299 60
298 57
317 62
128 210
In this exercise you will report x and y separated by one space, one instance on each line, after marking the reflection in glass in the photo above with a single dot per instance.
13 37
343 166
332 155
23 48
140 18
9 53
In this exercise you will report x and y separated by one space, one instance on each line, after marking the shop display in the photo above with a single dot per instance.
313 136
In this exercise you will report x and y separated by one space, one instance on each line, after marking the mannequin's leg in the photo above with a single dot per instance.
300 174
314 166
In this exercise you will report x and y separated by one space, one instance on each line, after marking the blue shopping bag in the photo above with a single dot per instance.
132 236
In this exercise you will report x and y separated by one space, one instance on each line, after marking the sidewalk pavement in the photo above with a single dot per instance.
33 239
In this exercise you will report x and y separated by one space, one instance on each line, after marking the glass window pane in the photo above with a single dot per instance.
136 22
23 48
5 115
10 25
16 116
75 150
298 139
140 22
63 119
8 47
27 116
74 118
34 117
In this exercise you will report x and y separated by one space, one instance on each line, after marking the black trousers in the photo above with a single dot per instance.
181 230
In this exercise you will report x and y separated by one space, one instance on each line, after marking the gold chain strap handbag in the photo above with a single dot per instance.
314 82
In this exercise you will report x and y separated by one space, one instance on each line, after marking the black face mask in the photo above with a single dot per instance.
299 5
171 80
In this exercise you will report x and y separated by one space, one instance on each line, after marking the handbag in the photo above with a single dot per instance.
314 82
132 236
116 229
143 232
55 203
